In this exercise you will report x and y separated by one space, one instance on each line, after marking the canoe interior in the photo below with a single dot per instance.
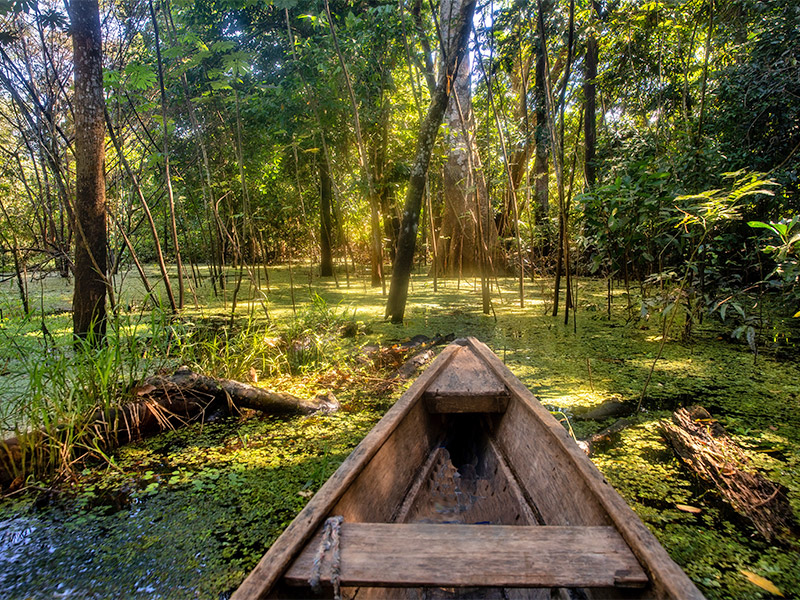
453 468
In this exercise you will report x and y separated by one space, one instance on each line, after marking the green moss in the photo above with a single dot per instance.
186 514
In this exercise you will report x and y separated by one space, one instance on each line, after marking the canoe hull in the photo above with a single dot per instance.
469 444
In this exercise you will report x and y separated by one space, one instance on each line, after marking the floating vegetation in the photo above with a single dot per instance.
189 512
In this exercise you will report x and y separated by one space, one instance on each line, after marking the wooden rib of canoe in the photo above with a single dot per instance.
469 488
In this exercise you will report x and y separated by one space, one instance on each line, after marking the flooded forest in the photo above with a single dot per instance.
233 233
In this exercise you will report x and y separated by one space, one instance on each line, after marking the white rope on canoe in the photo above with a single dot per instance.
329 543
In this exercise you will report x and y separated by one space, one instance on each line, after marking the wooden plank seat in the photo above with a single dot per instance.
425 554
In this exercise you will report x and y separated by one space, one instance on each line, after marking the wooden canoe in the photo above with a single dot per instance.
467 488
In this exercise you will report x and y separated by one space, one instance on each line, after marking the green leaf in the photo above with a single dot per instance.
140 77
759 225
223 46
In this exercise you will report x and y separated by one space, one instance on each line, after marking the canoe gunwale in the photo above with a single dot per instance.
667 577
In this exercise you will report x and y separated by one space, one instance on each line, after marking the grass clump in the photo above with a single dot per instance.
62 386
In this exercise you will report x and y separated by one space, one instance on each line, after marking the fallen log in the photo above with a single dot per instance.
166 402
185 384
160 403
704 447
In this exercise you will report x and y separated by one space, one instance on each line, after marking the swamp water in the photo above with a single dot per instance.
189 513
186 515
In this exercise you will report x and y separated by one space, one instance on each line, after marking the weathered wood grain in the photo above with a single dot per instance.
481 403
528 470
668 580
467 376
387 554
704 446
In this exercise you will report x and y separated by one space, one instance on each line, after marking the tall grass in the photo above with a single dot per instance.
60 411
308 342
66 384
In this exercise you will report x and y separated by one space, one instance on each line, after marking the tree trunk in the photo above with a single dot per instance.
376 245
326 226
89 298
541 173
148 214
704 78
465 198
518 160
459 241
590 120
455 48
167 176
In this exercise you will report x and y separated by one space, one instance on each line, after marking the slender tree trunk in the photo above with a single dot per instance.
391 220
19 262
149 215
510 179
705 71
428 70
167 177
518 160
590 120
429 128
211 235
89 298
326 226
541 172
558 147
376 254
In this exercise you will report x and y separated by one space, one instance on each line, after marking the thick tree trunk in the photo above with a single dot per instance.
459 235
89 297
326 225
406 244
466 226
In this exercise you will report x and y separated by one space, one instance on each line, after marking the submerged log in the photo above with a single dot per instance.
161 403
604 437
705 447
